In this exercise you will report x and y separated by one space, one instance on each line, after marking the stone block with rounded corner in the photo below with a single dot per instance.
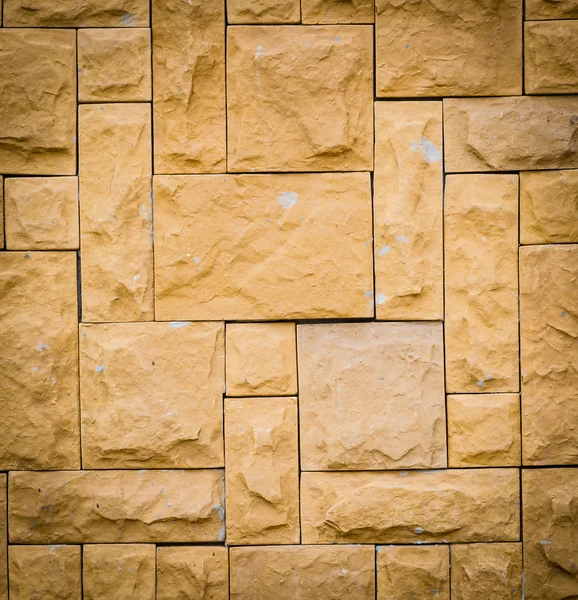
241 12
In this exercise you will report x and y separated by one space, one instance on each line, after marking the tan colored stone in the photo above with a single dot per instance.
548 9
316 12
41 213
371 396
39 361
407 203
263 11
464 505
116 212
37 102
284 247
335 573
189 86
549 354
1 212
112 571
300 98
3 538
116 506
481 283
550 497
262 471
261 359
114 65
510 134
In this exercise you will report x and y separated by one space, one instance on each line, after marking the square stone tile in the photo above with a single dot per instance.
263 11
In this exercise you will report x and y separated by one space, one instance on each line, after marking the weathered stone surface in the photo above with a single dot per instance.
114 65
371 396
549 354
299 98
548 9
481 283
3 538
550 497
510 134
484 430
1 212
116 212
189 86
488 571
263 11
548 207
39 361
116 506
448 48
467 505
261 359
268 573
316 12
283 247
37 102
41 213
112 571
408 210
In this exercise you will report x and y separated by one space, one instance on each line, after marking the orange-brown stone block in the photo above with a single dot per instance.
263 11
315 12
546 9
1 211
3 538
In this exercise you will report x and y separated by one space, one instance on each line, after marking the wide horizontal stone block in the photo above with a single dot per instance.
546 9
317 12
263 11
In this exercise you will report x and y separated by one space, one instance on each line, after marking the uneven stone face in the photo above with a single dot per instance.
263 11
37 102
315 12
284 247
481 283
3 538
546 9
408 210
468 505
549 354
1 212
447 48
152 395
300 99
358 382
116 506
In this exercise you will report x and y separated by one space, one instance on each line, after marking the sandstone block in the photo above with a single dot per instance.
465 505
189 86
116 506
549 354
283 247
546 9
38 107
3 538
315 12
1 212
116 212
510 134
263 11
481 283
371 396
407 203
300 99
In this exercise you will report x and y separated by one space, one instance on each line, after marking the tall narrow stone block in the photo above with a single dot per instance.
3 537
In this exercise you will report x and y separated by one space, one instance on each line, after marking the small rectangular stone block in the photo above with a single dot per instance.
3 537
318 12
546 9
263 11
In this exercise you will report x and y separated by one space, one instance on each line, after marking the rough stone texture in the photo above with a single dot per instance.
550 497
484 430
412 573
39 361
468 505
114 65
481 283
261 359
549 354
548 207
407 202
448 48
193 573
3 538
152 395
268 573
488 571
283 247
315 12
116 212
1 212
510 134
37 102
300 98
263 11
116 506
358 382
189 86
551 9
41 213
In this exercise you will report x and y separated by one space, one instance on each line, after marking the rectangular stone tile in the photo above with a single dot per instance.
315 12
284 247
116 506
546 9
481 283
407 203
549 354
3 537
116 212
39 361
263 11
463 505
189 86
1 212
